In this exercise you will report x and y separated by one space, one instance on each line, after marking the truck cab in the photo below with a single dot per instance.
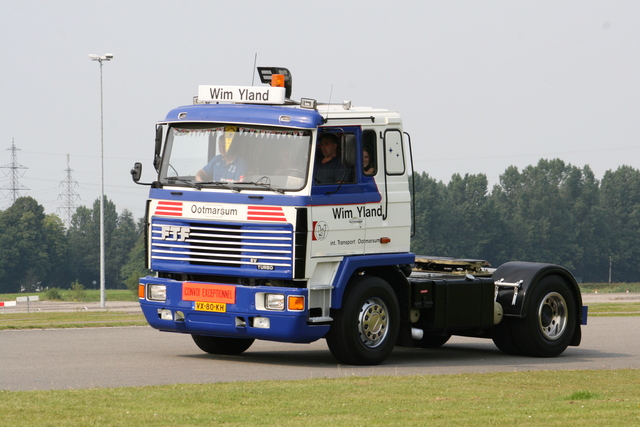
288 221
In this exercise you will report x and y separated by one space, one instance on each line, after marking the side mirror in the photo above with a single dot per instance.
156 158
136 172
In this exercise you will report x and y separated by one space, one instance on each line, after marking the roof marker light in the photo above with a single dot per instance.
266 74
277 80
309 103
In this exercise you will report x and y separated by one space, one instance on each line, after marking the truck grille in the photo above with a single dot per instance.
255 246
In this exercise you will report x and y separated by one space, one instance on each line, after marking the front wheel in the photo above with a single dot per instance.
365 329
550 319
222 345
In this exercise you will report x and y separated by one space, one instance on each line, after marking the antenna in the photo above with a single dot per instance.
255 61
329 104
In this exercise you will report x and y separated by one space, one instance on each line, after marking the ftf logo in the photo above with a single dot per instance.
174 233
320 230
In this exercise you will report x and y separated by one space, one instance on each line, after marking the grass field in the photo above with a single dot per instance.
72 319
9 319
609 287
594 398
614 309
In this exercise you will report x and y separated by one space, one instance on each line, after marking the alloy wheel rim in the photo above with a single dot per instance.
553 316
373 322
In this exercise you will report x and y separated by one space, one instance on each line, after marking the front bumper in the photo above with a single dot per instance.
242 319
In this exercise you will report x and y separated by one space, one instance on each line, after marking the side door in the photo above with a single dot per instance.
388 205
338 226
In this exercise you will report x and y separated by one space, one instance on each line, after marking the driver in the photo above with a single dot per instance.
226 166
329 168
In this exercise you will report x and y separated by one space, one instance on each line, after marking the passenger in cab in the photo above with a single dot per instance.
367 164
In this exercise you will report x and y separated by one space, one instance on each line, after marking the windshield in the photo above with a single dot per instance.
238 157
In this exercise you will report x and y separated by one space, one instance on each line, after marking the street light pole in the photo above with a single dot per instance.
100 59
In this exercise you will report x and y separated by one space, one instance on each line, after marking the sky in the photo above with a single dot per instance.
481 85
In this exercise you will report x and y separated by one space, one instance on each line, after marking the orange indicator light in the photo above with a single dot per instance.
140 291
296 303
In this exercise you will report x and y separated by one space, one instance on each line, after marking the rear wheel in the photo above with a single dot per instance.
550 319
503 337
222 345
365 329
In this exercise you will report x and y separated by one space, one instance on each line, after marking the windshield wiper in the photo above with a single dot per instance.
200 184
189 182
263 182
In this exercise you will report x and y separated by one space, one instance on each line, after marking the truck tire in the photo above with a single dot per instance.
503 337
365 329
549 320
222 345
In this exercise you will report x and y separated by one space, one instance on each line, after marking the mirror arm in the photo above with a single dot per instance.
136 173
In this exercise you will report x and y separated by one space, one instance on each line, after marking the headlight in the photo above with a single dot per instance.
274 302
156 292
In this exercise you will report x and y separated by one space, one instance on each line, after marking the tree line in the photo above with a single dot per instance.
551 212
38 251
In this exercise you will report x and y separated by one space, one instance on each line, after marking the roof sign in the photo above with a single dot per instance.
241 94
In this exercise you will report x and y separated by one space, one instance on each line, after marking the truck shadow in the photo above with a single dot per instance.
451 358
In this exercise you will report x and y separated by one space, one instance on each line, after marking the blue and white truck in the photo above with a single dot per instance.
291 221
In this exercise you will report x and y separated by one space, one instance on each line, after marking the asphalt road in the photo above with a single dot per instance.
138 356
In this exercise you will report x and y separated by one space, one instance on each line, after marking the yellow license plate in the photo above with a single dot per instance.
216 307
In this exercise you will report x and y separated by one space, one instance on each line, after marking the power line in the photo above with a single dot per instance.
16 170
69 196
